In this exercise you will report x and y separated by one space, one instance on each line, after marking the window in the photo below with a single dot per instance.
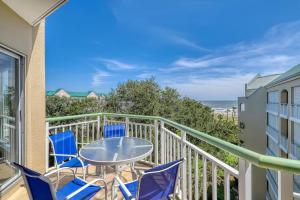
273 97
242 107
11 82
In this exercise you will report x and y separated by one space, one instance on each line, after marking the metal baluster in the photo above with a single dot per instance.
204 177
167 147
82 134
196 177
93 131
174 148
150 139
76 132
171 148
88 132
214 180
226 185
190 183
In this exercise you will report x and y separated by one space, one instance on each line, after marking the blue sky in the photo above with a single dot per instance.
207 49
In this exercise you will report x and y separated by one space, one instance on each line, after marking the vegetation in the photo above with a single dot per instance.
146 97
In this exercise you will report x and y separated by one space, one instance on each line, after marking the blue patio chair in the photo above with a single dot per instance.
39 187
116 130
156 183
65 151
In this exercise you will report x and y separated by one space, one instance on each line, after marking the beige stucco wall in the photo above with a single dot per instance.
29 41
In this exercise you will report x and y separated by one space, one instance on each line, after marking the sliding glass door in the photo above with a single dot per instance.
10 112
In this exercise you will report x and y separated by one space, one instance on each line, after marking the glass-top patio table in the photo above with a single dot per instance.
116 151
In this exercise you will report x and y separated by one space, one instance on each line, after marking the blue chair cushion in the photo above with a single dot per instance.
74 162
74 185
132 187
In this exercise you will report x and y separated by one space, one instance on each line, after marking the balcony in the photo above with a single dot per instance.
273 133
295 113
273 108
283 143
284 110
202 175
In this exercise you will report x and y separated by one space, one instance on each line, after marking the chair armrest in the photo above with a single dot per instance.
86 186
122 185
60 169
69 155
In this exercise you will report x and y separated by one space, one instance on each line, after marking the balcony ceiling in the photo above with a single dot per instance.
33 11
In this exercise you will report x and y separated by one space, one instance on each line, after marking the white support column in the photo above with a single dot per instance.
98 127
245 180
127 126
156 141
162 142
183 155
285 185
47 147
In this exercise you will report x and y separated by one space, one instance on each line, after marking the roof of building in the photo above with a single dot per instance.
293 72
260 81
73 94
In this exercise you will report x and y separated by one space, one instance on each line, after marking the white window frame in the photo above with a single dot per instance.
20 83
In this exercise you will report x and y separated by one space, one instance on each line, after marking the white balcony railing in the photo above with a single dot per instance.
284 110
284 143
168 146
202 174
273 108
273 133
295 112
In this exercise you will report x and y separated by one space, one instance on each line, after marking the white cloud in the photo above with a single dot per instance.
222 88
176 38
116 64
98 77
278 49
145 75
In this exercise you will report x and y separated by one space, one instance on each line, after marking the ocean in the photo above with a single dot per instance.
220 106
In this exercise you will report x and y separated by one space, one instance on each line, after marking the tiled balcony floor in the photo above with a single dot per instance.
127 175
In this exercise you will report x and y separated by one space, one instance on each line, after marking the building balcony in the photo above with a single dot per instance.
202 173
273 108
295 113
273 133
283 143
284 110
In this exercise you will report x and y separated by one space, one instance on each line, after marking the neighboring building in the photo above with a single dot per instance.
283 123
252 122
22 87
76 95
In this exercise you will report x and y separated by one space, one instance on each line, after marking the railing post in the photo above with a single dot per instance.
245 180
47 147
98 127
104 120
183 155
156 141
127 126
162 142
285 185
